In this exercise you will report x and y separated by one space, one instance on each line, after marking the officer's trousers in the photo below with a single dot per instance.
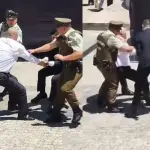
66 81
43 73
16 90
141 84
108 90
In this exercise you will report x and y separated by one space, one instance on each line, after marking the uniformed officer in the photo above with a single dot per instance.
11 21
69 42
107 50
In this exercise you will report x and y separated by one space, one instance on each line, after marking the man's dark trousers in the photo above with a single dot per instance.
17 92
43 73
141 83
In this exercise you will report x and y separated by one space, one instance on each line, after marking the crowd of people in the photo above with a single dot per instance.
113 61
65 63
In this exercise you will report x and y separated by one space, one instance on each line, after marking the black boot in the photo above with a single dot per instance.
39 97
126 91
77 115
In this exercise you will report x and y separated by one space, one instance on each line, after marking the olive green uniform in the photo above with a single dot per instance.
72 70
106 56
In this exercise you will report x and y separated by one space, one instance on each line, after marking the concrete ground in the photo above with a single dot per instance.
98 20
98 130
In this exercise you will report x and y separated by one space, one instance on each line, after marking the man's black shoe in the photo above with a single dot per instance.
39 97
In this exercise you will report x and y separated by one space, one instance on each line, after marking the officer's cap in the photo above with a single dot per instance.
63 22
116 24
10 14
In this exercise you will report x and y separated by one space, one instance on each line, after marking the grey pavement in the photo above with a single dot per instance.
98 131
93 20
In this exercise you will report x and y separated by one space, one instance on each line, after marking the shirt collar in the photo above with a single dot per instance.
111 32
68 32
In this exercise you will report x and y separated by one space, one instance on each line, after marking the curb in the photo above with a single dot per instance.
100 26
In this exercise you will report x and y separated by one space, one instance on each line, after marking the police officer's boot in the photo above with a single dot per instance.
39 97
126 91
77 115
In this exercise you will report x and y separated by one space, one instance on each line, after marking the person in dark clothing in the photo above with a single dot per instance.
142 44
91 2
45 72
109 2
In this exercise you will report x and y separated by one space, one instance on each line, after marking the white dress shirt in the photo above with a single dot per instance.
10 50
123 59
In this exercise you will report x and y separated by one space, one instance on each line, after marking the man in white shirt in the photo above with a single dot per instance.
10 50
123 66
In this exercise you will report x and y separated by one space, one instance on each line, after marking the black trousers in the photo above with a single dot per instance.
109 2
126 72
17 92
53 89
45 72
141 83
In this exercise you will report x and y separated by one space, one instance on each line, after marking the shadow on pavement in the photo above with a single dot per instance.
41 115
92 107
7 118
95 10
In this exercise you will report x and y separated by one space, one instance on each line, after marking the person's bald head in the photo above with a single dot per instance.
13 33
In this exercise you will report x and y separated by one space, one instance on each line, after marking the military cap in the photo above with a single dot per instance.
116 23
11 14
63 22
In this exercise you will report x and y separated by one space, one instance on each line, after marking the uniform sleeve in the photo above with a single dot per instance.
23 53
19 39
19 36
114 42
76 42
